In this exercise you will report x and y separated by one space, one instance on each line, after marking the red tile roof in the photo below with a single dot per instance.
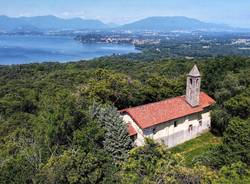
131 130
159 112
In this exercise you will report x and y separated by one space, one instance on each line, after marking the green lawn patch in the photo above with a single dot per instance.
193 148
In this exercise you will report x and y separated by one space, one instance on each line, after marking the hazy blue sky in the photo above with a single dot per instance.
233 12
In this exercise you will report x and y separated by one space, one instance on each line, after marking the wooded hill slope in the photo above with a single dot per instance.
58 123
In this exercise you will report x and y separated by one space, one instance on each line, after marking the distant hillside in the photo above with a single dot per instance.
45 23
52 23
174 24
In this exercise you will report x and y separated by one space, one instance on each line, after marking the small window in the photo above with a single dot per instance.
154 130
175 123
200 123
199 117
190 128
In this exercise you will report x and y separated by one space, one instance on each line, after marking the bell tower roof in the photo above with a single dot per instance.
194 72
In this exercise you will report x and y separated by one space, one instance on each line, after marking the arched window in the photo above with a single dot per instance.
190 128
200 123
191 81
197 81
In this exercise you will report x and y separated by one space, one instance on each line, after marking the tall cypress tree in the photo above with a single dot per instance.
117 141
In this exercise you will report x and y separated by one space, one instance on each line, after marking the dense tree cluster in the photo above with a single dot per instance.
52 133
117 141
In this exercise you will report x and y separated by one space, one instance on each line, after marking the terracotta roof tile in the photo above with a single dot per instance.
159 112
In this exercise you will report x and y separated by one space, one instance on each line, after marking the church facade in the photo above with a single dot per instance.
172 121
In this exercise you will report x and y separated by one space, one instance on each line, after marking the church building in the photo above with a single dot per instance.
174 120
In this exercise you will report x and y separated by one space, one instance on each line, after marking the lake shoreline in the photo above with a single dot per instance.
28 49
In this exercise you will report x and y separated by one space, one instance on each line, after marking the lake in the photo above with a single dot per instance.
23 49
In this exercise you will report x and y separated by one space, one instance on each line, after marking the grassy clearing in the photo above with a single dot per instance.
193 148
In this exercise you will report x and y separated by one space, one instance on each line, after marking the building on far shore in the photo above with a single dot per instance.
172 121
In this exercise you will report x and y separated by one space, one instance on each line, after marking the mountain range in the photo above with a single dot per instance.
52 23
177 23
46 23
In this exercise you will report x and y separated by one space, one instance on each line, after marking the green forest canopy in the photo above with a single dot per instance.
49 133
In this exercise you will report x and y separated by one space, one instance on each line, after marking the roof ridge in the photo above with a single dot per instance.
150 103
155 102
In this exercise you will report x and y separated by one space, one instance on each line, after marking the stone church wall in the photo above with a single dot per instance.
167 133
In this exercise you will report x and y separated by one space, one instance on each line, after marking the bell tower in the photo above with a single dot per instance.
193 87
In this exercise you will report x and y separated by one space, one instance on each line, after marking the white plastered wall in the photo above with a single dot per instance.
139 141
170 135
